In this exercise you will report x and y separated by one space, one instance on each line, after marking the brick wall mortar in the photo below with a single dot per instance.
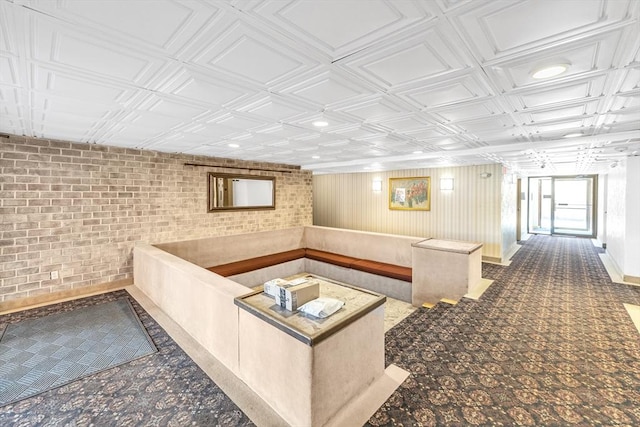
79 209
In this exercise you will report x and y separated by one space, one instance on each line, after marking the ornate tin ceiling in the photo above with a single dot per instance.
401 84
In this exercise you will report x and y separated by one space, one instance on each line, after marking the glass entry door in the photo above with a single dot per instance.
562 205
573 207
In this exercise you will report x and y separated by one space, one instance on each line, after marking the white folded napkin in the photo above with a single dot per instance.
321 307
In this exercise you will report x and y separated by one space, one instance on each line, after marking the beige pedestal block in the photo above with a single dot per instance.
444 269
308 370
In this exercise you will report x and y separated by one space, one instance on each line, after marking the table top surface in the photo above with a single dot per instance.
449 245
306 328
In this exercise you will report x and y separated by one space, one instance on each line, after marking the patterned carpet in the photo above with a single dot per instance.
163 389
549 343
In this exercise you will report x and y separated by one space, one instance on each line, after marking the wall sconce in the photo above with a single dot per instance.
376 185
485 175
446 183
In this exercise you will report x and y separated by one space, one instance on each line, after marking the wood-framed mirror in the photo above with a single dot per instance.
240 192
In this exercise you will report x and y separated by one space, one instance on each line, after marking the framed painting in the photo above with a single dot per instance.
410 194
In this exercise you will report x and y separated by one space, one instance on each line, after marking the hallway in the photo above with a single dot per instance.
549 343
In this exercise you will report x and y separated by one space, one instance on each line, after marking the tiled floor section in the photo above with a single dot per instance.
395 311
634 314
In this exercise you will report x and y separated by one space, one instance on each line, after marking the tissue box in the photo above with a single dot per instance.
293 297
272 287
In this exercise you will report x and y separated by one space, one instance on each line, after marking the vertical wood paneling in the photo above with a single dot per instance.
471 211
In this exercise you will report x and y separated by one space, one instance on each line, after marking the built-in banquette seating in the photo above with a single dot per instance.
174 275
378 262
195 282
365 265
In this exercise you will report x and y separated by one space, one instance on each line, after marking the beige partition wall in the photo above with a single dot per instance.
469 212
199 301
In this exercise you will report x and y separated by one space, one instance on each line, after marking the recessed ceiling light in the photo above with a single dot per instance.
234 145
549 71
320 123
417 152
573 135
315 157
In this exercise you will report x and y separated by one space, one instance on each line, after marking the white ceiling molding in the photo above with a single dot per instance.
400 84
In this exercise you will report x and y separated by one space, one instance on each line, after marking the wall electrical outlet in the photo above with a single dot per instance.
54 275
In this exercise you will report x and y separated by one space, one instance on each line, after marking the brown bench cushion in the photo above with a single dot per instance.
251 264
383 269
330 257
373 267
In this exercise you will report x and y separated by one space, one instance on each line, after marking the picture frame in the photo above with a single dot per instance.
410 194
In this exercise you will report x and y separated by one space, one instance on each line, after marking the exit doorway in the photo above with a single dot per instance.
563 205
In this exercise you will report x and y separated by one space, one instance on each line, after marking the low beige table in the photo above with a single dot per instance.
308 368
444 269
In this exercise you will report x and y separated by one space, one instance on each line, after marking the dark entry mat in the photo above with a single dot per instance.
40 354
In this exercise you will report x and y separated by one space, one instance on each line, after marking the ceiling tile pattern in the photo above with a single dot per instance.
402 84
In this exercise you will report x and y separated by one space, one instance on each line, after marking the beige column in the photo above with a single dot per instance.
444 269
